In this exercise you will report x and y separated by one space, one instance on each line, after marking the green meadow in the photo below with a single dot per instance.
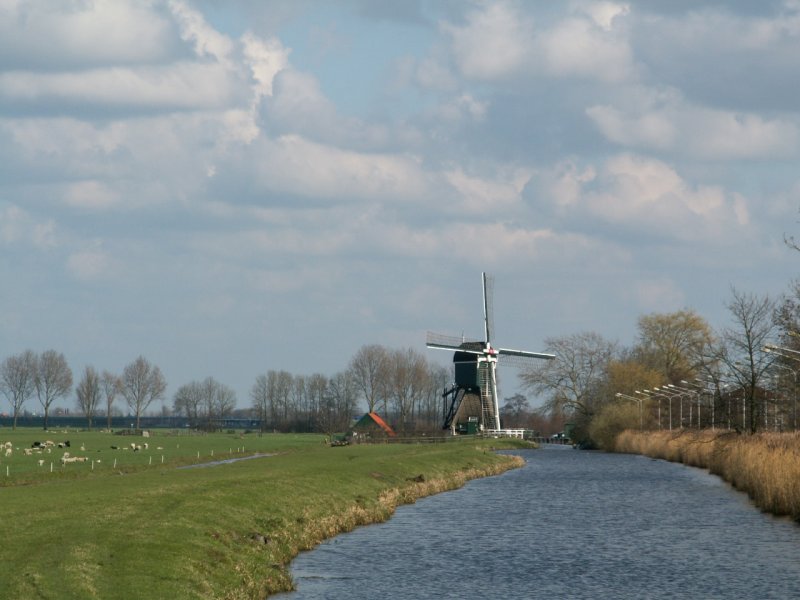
134 524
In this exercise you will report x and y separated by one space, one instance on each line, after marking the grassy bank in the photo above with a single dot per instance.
148 529
766 466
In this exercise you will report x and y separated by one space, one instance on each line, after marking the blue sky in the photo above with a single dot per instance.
227 188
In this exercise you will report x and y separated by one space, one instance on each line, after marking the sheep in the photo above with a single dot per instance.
8 452
67 459
41 462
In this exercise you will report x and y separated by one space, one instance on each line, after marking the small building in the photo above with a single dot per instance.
372 425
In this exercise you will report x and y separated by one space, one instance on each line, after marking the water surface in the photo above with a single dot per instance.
569 524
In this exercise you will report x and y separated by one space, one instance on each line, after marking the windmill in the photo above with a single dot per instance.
471 403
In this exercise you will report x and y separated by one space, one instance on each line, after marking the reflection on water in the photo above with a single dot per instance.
570 524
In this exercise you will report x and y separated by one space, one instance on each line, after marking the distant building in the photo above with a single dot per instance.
372 425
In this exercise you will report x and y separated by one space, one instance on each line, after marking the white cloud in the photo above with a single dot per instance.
177 86
578 47
266 58
91 194
19 226
670 124
13 222
603 13
101 32
206 40
651 195
88 265
294 164
484 196
463 107
493 43
659 295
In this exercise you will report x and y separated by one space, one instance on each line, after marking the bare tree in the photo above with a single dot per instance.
89 393
224 401
142 383
407 383
753 327
53 379
17 380
370 369
111 385
188 401
338 404
259 394
574 379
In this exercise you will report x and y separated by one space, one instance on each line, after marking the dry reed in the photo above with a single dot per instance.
766 466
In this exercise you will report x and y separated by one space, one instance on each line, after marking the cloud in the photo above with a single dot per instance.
479 195
719 54
206 41
45 35
494 42
296 165
643 197
589 48
183 86
659 295
91 194
88 265
17 226
664 122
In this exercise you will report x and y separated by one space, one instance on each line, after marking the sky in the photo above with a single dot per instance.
231 188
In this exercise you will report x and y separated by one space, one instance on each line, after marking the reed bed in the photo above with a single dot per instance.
766 466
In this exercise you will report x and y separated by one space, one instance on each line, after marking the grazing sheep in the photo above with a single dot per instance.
41 462
8 452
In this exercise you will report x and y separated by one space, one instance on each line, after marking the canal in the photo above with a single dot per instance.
569 524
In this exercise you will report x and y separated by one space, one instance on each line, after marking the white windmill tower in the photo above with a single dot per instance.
472 402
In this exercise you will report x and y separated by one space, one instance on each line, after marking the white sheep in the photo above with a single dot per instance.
8 452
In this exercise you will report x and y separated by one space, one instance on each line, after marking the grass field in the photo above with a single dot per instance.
147 529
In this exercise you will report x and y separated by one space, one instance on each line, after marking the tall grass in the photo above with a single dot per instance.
766 466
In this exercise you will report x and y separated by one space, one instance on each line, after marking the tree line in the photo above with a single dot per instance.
399 383
679 372
48 377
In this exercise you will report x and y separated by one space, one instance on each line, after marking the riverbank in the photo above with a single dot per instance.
766 466
228 531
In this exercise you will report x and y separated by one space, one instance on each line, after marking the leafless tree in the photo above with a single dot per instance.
142 383
430 406
17 380
259 394
53 379
224 401
338 404
407 383
753 327
370 369
88 393
573 380
188 401
111 386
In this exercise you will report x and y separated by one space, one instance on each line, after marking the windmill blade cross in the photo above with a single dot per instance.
488 306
